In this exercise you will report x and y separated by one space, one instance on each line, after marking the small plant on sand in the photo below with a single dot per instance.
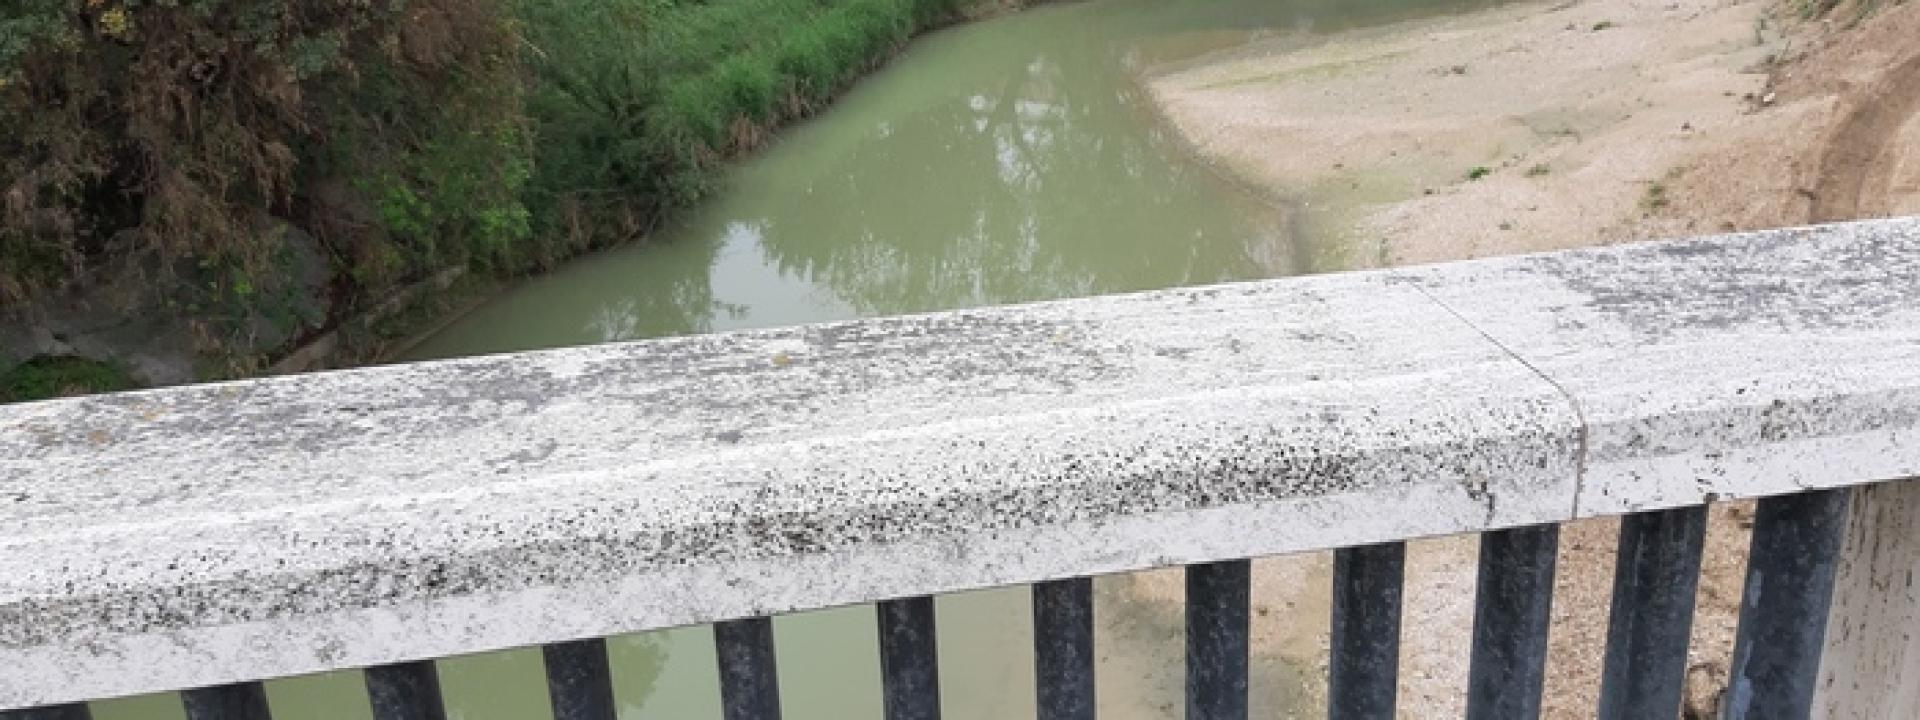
1657 198
1538 170
1810 9
1479 171
1602 25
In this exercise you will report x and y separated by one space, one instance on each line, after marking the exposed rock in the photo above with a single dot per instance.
1705 685
133 319
155 348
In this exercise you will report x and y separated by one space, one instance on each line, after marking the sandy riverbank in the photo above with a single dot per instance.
1542 126
1550 125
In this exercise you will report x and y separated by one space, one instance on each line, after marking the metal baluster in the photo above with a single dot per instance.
240 701
1365 663
1512 608
1783 610
579 680
405 691
75 711
1651 621
1063 649
749 682
1217 600
909 659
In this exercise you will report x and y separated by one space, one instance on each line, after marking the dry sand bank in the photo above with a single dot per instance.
1592 121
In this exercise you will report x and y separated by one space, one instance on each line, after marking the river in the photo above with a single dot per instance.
1001 161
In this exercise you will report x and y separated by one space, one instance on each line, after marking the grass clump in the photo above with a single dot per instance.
636 102
1657 198
1810 9
1850 12
1539 170
1603 25
1479 171
50 377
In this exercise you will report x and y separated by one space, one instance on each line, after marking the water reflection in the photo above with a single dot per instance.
1037 176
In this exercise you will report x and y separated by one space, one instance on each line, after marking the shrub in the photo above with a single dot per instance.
173 141
169 137
50 377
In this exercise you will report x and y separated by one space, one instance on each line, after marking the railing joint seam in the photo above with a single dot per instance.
1573 403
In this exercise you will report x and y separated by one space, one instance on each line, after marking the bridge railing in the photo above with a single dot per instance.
205 538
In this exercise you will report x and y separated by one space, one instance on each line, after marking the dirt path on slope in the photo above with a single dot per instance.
1858 166
1835 135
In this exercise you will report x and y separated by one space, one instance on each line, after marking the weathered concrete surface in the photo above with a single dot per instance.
1721 367
206 534
1872 655
200 535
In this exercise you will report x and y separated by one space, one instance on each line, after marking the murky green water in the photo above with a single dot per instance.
1002 161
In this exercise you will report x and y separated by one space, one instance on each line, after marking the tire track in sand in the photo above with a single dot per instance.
1856 168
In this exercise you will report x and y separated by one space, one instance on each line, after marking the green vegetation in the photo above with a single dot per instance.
1539 170
1811 8
1656 199
1602 25
1852 12
51 377
1479 171
636 102
176 141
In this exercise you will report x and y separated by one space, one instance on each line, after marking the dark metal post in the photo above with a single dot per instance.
579 680
749 681
1512 609
406 691
1217 598
909 659
1654 581
76 711
240 701
1783 610
1063 649
1365 663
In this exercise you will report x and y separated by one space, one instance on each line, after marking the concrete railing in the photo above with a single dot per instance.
212 536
